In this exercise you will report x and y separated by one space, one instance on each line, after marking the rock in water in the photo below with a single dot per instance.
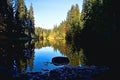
60 61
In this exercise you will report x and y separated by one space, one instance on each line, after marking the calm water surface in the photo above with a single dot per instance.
42 59
22 57
44 51
37 56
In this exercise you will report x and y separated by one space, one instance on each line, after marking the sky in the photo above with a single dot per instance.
49 13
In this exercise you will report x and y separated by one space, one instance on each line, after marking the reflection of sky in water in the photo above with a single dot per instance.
43 58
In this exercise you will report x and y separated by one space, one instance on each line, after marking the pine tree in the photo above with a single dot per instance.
73 23
31 17
21 16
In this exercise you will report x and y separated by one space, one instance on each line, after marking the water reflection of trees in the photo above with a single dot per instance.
16 56
72 50
41 43
75 54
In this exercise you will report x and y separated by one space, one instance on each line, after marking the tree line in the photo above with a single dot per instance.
97 24
15 19
65 28
100 20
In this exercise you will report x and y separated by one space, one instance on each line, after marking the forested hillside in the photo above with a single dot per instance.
97 25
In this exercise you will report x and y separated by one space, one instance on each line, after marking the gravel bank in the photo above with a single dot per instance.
66 73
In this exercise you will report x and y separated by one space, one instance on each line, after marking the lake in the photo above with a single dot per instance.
44 52
36 56
42 59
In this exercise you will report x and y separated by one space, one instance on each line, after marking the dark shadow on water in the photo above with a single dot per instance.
14 55
102 50
104 56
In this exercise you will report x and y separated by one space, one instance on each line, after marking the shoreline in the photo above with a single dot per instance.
65 73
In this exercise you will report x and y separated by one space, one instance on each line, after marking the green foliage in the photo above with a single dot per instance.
99 22
21 12
58 32
31 14
30 22
15 18
73 23
42 33
69 29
